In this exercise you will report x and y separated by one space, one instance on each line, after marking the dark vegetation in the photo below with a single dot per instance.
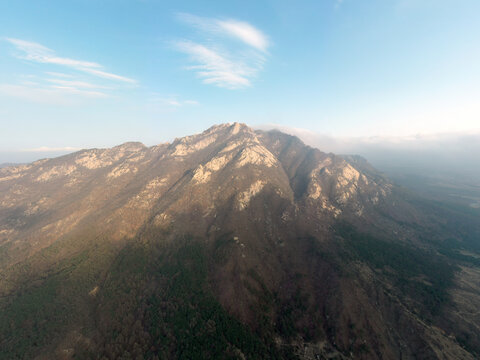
284 285
49 301
421 275
461 223
165 309
153 302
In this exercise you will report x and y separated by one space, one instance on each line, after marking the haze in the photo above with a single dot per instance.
157 70
394 81
155 205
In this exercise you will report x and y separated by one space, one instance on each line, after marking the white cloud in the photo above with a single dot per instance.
57 74
217 69
58 95
450 153
60 87
76 84
239 30
172 101
107 75
41 54
86 93
245 32
222 63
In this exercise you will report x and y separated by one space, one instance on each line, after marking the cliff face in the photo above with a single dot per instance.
303 253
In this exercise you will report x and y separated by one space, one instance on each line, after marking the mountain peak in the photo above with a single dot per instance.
262 217
234 128
130 146
216 135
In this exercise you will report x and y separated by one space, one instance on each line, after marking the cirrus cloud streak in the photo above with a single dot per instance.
41 54
223 63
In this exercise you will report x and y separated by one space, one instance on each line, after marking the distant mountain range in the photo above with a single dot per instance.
8 164
231 244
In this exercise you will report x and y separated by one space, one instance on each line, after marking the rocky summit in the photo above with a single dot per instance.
230 244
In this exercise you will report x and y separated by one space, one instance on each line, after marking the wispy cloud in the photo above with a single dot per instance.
376 146
76 78
106 75
219 62
35 52
57 95
215 68
57 74
239 30
51 149
446 154
172 101
39 53
76 84
245 32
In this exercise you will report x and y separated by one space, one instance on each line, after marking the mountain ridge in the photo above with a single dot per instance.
287 244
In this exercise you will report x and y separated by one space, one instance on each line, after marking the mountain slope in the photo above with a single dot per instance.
232 243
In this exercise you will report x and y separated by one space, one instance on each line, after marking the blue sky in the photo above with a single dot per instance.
76 74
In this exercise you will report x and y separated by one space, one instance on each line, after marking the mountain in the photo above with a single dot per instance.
230 244
2 165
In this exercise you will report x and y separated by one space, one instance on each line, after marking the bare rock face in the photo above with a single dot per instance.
45 200
303 250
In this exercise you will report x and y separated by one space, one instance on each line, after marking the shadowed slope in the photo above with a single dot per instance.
231 243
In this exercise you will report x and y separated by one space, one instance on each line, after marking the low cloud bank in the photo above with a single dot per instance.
455 155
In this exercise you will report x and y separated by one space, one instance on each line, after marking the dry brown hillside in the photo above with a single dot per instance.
232 243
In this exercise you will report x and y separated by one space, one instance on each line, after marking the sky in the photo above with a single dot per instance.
97 73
